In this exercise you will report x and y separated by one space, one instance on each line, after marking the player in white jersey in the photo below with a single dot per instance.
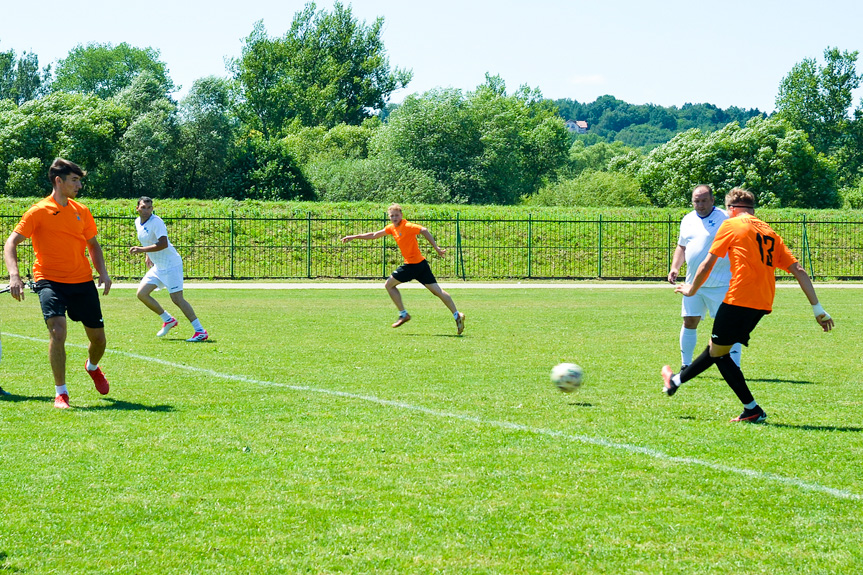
697 230
166 270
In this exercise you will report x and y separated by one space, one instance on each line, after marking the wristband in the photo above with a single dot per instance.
818 310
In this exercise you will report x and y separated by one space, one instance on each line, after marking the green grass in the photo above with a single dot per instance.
309 437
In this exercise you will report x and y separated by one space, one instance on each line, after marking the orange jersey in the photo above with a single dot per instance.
405 235
755 251
59 235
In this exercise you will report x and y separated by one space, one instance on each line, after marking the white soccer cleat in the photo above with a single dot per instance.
166 327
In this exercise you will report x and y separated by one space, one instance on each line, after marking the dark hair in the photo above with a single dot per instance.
144 199
704 186
63 168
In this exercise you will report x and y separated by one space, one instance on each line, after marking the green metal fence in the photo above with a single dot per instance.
242 247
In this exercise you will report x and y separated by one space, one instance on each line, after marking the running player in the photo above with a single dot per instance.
166 270
61 229
415 267
755 251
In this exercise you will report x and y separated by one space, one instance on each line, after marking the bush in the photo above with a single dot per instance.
852 197
592 189
376 180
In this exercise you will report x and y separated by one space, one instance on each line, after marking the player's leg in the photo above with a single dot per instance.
712 300
84 306
149 283
144 294
200 333
426 277
688 339
57 348
395 295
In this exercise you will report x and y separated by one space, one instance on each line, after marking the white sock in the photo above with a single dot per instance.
688 341
61 389
90 366
197 325
675 379
735 352
166 316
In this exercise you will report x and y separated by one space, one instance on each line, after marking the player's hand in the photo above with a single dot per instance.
16 288
135 250
672 276
825 321
441 252
106 281
346 239
684 289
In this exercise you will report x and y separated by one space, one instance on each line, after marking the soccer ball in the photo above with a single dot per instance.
567 377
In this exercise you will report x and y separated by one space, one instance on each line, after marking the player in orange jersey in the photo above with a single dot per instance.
755 252
61 229
415 267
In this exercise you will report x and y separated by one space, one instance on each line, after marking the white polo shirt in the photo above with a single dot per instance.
696 235
149 233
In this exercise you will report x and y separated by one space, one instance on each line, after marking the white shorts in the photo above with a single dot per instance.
704 303
170 279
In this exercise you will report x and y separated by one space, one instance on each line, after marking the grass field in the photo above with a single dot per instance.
309 437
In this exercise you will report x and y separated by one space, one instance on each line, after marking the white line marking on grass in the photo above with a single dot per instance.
598 441
379 285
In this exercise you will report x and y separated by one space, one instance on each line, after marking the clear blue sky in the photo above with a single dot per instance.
731 53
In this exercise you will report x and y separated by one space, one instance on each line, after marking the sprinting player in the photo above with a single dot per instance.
697 230
755 251
61 229
415 267
166 270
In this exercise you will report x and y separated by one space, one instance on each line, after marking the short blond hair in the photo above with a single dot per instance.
395 208
740 197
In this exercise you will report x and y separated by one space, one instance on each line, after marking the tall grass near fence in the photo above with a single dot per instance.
238 240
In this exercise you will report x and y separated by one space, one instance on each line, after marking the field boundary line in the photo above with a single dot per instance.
578 438
451 285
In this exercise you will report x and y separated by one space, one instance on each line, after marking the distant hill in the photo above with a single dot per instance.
647 125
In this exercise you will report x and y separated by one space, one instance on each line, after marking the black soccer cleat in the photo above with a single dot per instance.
756 415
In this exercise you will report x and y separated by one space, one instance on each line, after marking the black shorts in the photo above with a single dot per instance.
734 323
420 272
80 301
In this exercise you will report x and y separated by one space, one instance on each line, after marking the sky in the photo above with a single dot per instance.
732 53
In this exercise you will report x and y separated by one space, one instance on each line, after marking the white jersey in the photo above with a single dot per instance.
149 233
696 235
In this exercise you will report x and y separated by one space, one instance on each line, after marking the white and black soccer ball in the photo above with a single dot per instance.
567 376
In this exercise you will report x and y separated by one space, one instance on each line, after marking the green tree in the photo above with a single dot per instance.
20 77
105 70
768 157
819 99
484 147
328 69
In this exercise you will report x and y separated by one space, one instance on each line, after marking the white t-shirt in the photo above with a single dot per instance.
696 235
149 233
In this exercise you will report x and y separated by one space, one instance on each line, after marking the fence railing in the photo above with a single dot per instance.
242 247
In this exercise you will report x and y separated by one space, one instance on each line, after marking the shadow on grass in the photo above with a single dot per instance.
580 404
772 380
432 335
113 404
815 427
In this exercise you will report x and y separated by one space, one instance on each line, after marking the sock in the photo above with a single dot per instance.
736 350
90 366
698 366
675 379
688 341
166 316
751 405
403 313
61 389
734 378
455 314
196 323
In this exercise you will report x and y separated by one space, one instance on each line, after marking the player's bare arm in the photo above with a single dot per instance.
427 235
10 256
161 244
366 236
822 317
700 276
676 262
98 259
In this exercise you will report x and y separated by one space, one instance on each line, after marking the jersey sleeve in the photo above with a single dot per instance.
159 229
723 238
784 259
390 229
27 225
415 229
90 230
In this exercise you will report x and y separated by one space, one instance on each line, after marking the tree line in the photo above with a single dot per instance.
306 116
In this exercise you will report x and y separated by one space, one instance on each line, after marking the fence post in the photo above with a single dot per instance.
384 250
459 262
529 245
233 244
599 275
806 254
309 245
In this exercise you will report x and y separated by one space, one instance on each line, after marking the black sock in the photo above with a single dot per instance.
698 366
734 378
